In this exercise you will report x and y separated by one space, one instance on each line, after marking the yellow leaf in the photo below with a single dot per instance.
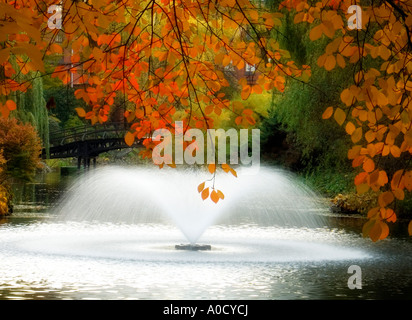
80 112
339 116
362 188
328 113
129 138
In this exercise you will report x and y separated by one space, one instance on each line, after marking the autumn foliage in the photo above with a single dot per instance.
376 109
166 60
20 150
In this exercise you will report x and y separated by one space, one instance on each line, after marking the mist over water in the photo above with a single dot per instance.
170 196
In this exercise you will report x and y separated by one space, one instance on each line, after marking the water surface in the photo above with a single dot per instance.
45 258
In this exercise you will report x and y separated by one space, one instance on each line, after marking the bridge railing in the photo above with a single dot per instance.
88 132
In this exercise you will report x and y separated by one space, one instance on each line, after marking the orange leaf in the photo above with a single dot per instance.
211 167
11 105
376 231
369 165
129 138
340 60
398 180
80 111
370 136
4 111
357 135
205 193
347 97
330 62
315 33
408 180
360 178
386 198
350 128
385 230
383 178
220 194
399 194
390 215
246 92
328 113
214 196
232 171
225 167
200 187
251 120
395 151
339 116
410 228
55 48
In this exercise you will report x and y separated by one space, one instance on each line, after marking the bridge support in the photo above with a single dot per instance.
86 162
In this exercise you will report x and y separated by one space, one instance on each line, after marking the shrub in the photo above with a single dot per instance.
21 150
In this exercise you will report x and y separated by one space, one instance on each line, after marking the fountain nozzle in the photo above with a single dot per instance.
193 247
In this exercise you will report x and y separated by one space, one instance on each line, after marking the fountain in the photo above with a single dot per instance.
145 233
147 195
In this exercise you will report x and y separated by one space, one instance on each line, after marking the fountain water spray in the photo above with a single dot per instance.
147 195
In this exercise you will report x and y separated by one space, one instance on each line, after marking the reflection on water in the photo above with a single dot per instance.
42 259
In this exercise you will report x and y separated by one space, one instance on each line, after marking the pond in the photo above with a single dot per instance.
45 257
